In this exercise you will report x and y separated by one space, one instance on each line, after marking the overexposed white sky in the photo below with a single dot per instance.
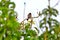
33 6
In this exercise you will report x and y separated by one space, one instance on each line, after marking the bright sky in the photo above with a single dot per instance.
33 6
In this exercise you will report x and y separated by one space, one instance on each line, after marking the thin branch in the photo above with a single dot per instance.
48 2
32 18
56 3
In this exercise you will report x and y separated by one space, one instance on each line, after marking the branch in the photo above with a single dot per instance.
56 3
32 18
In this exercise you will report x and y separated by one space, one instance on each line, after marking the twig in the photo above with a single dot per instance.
32 18
56 3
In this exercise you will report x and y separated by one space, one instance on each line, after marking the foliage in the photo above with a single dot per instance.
8 23
50 22
10 29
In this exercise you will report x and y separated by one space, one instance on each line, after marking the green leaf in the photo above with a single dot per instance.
27 26
13 4
41 25
45 11
36 29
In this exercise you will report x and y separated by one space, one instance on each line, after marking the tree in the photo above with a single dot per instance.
8 23
50 22
11 29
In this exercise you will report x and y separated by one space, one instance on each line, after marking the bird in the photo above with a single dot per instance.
29 16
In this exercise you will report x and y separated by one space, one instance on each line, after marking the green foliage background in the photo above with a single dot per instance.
10 29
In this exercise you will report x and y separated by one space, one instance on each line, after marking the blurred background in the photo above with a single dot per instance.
23 7
34 6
